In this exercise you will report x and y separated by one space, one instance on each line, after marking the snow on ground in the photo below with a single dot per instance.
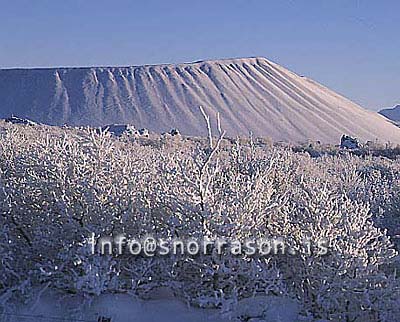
119 307
125 308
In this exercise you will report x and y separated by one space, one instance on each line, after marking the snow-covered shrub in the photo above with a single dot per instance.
58 186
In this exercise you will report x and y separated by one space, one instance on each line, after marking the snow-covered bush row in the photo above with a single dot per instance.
57 186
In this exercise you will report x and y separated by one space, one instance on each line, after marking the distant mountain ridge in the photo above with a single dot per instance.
392 113
250 94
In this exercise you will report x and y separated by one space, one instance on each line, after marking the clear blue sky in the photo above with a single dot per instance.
352 46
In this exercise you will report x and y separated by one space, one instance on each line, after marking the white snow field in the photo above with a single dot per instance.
251 94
